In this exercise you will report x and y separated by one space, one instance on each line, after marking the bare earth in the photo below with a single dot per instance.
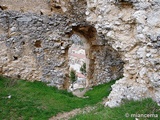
68 115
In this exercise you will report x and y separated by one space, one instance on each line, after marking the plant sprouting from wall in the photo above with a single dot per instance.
83 69
73 76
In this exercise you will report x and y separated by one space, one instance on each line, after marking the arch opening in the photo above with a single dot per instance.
86 38
77 62
103 63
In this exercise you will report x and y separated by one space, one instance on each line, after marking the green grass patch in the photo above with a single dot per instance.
127 111
37 101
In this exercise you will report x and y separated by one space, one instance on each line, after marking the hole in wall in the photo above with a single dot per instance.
15 58
103 63
87 36
18 76
23 43
41 13
38 44
77 62
57 7
3 7
1 70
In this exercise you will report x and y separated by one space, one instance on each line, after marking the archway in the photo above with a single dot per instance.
103 63
77 62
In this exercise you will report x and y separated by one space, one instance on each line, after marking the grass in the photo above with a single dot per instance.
37 101
124 112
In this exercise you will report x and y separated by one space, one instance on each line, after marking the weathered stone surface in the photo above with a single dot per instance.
114 32
36 48
25 5
27 51
135 39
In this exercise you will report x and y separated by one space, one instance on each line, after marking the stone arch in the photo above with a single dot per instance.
103 63
87 34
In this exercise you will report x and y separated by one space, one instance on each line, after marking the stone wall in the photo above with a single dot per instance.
133 29
103 62
35 6
115 33
35 46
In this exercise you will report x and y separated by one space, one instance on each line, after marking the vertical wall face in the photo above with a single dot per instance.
133 30
108 64
25 5
35 47
32 47
103 62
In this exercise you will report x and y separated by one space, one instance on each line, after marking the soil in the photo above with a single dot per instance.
68 115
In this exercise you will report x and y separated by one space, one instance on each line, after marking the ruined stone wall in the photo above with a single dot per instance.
32 47
103 62
133 29
107 64
35 46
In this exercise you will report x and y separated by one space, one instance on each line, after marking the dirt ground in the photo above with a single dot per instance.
68 115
